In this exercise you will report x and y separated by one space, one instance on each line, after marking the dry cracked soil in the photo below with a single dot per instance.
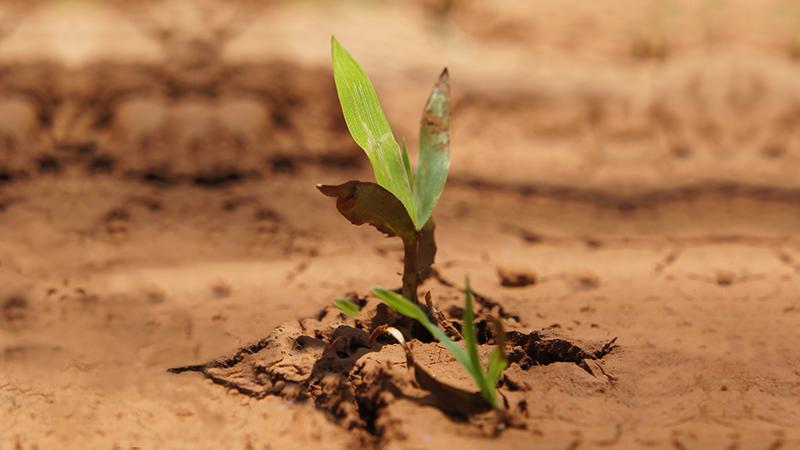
623 195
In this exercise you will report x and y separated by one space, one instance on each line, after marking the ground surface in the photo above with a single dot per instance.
157 209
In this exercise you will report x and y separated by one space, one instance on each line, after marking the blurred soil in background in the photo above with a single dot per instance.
634 163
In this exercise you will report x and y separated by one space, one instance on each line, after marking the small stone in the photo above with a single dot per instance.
221 289
516 276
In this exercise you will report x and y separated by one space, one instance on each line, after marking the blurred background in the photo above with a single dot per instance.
617 96
621 168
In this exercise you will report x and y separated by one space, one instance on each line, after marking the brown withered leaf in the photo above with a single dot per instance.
362 202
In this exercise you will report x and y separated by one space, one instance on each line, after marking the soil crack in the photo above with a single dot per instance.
328 359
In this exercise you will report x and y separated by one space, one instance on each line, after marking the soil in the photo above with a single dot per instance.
622 196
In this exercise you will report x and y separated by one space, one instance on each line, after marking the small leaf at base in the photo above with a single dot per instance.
348 307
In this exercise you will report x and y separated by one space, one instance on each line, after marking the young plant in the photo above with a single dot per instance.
467 357
402 201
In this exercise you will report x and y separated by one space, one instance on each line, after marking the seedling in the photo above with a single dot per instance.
467 357
401 204
402 201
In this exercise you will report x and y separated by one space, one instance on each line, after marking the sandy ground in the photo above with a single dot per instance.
157 209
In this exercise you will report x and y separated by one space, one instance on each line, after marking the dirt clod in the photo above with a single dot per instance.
516 276
330 361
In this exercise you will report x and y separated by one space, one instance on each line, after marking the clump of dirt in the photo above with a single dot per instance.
516 276
544 347
354 374
15 305
14 310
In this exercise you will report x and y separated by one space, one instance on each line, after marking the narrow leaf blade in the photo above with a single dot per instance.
348 307
451 398
468 328
400 304
369 128
497 361
497 364
407 163
433 162
471 344
409 309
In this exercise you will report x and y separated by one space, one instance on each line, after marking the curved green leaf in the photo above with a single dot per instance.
407 308
370 129
497 364
469 359
497 360
346 306
450 398
471 344
433 162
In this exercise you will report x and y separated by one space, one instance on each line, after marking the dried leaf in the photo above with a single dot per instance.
363 202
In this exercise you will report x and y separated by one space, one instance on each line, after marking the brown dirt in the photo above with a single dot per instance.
628 175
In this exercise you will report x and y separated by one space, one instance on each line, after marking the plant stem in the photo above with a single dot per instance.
410 248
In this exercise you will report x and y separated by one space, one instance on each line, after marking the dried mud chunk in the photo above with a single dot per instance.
583 281
294 364
272 366
545 347
451 399
14 310
329 359
376 379
492 305
516 276
15 307
19 131
221 289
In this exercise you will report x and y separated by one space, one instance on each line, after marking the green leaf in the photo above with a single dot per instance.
471 344
468 329
370 129
497 364
497 361
469 359
407 163
407 308
450 398
362 202
433 162
348 307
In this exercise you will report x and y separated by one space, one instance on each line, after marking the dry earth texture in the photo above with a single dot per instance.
623 169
